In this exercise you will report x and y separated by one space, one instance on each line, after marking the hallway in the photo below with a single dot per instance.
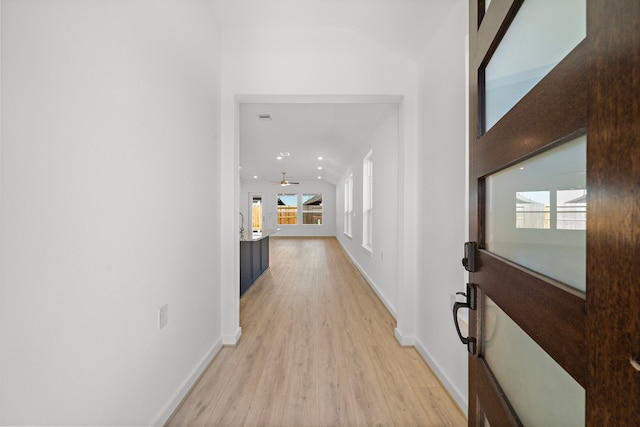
317 349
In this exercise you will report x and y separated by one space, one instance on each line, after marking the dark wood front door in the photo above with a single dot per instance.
555 211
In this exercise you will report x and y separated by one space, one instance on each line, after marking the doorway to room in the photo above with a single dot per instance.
355 123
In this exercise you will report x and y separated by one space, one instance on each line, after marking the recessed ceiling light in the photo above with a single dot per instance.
319 168
279 157
285 154
319 177
264 116
320 158
255 176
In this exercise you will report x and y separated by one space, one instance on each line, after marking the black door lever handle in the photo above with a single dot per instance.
470 303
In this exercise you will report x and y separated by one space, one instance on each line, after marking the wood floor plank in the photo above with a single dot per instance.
265 411
195 410
276 373
232 407
335 404
301 405
416 369
404 405
439 408
317 349
370 405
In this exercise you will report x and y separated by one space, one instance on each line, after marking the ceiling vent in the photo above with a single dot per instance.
264 116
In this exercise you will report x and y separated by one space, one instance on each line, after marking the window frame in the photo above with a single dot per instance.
367 203
278 216
314 211
299 209
348 206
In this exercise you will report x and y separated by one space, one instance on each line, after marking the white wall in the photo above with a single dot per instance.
259 65
110 157
380 266
269 193
441 197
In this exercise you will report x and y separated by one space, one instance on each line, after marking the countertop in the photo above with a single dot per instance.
254 237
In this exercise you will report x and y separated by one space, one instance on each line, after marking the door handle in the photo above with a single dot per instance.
470 303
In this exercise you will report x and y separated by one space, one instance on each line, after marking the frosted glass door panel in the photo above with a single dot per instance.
542 33
536 213
539 390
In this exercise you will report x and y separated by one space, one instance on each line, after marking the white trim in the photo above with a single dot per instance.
317 99
232 340
348 205
459 398
175 401
367 202
1 210
370 282
230 148
403 340
368 250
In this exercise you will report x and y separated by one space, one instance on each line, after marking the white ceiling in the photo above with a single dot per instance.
330 130
404 26
333 131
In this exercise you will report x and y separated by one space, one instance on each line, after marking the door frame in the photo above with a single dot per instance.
250 209
406 239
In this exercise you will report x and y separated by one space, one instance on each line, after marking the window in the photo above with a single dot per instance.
287 209
312 209
572 209
367 202
532 209
310 206
348 204
567 209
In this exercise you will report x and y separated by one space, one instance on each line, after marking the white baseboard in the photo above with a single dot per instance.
371 283
232 340
459 398
404 340
186 386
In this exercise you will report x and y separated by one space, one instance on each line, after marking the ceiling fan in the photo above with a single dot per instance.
284 181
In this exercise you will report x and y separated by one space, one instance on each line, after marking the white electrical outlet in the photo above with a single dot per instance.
163 316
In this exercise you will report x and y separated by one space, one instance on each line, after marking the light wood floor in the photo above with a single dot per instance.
317 349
